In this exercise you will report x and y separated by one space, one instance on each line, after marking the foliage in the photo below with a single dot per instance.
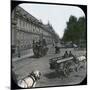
75 30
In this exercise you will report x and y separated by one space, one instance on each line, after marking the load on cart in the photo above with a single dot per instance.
66 63
40 48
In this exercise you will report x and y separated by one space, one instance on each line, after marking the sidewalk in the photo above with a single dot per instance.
20 58
30 53
24 55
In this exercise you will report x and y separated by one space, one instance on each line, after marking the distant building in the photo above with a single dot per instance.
26 29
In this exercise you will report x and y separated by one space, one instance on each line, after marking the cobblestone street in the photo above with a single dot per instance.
49 78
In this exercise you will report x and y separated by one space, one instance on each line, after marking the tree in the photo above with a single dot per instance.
75 30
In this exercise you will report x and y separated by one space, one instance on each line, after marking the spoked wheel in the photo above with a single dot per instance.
65 71
69 67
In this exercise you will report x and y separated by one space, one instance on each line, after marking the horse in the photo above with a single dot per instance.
81 60
30 80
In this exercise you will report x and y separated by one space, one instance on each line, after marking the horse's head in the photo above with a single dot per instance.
81 58
36 74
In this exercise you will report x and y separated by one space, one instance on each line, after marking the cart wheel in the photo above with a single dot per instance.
65 72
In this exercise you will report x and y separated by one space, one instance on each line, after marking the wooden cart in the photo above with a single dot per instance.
66 65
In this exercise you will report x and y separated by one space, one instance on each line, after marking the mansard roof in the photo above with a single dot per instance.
23 13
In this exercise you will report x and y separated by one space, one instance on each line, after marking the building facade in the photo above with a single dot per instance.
26 29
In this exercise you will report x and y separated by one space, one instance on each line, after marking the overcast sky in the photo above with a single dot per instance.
57 15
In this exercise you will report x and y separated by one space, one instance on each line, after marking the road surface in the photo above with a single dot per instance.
49 77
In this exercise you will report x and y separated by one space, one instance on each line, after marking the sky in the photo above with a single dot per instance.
56 15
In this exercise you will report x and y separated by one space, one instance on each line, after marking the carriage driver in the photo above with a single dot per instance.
66 54
70 54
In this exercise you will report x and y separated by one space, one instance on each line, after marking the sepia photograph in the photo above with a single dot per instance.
48 45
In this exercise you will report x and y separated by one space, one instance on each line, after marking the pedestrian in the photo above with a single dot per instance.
70 54
18 48
57 48
66 54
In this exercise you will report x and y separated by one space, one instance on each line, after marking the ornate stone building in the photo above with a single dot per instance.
26 29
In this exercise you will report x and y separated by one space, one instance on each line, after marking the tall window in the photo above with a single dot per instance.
23 23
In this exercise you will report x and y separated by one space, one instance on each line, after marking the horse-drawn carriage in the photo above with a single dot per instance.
40 49
66 65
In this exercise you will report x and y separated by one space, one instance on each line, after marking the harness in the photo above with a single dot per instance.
33 78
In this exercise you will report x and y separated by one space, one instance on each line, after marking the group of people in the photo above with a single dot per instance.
66 54
39 48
